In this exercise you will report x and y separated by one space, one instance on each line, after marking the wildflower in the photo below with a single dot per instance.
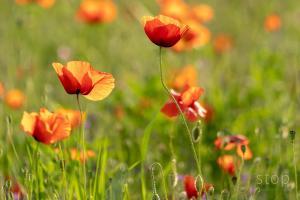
46 127
163 31
97 11
226 162
272 23
15 98
190 187
203 13
78 77
188 103
230 142
222 43
187 76
176 9
73 116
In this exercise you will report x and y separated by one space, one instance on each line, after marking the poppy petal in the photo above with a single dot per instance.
102 88
170 109
28 122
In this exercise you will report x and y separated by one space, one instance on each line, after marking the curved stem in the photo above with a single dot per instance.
180 111
163 180
83 144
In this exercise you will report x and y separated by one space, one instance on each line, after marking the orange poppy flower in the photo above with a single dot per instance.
272 23
230 142
188 103
163 31
97 11
176 9
222 43
226 162
203 13
2 90
79 77
190 187
42 3
15 98
207 187
80 156
187 76
73 116
46 127
196 36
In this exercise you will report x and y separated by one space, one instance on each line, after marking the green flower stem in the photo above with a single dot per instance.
180 111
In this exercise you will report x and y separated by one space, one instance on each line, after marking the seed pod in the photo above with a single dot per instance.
197 132
292 135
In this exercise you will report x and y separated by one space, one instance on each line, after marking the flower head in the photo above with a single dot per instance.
15 98
226 162
80 156
230 142
188 102
185 77
222 43
46 127
163 31
190 187
78 77
203 13
97 11
272 23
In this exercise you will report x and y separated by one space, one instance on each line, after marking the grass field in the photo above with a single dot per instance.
244 55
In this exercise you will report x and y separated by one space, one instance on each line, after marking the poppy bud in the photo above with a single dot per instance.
155 197
197 132
292 135
243 148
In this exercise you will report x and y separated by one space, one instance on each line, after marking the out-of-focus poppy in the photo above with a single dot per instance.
2 90
73 116
46 127
79 77
226 162
188 102
119 112
80 156
222 43
203 13
176 9
230 142
163 31
196 36
15 98
42 3
187 76
272 23
97 11
190 187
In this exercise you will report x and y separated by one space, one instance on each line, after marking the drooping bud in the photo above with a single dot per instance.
292 135
197 132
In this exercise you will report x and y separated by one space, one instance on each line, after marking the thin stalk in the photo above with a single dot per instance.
63 170
180 111
37 170
83 145
236 192
295 169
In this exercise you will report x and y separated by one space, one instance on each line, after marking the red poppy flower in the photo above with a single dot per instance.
188 103
46 127
226 162
163 31
190 187
272 23
79 77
